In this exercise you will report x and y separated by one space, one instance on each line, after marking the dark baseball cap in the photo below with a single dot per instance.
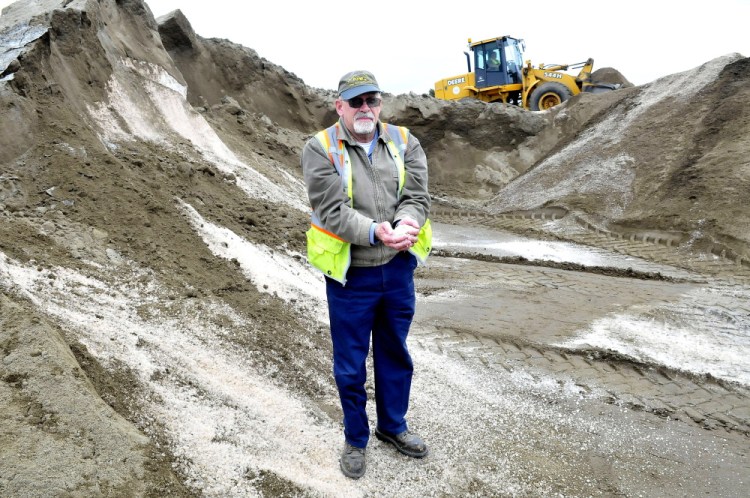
356 83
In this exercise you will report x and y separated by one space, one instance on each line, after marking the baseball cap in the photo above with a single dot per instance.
356 83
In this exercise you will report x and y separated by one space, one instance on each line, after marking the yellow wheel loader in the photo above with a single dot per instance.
500 75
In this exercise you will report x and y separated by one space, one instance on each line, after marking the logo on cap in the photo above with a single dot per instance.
359 79
356 83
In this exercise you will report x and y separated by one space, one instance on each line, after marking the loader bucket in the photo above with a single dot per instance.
599 87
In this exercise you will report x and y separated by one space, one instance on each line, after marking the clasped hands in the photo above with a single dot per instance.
402 237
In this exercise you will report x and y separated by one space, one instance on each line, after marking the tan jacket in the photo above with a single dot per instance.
375 196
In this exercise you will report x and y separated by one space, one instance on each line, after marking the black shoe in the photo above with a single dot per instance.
353 461
407 443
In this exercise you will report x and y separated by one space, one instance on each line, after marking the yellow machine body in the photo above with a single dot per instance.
500 75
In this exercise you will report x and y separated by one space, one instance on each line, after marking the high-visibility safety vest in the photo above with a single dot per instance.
328 252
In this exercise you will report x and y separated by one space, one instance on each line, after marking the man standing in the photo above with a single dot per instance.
367 186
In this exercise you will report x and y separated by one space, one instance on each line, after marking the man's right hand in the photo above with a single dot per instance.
400 239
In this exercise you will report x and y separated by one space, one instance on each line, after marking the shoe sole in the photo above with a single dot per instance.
387 439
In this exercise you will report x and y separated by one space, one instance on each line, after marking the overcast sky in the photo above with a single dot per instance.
411 44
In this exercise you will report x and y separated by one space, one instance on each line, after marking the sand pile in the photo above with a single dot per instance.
153 171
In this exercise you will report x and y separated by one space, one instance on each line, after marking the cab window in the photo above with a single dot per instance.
479 55
493 60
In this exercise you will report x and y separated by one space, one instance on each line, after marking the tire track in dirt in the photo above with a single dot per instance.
702 400
663 249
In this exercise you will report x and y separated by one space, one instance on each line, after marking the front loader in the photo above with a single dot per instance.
500 75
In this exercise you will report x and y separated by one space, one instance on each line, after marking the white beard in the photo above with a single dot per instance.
364 127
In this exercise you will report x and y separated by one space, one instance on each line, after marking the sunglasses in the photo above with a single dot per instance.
356 102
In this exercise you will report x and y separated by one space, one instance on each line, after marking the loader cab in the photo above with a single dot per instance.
498 61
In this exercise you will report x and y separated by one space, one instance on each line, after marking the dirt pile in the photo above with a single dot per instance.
611 76
658 158
118 132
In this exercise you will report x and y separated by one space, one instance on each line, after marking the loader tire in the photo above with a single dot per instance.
548 95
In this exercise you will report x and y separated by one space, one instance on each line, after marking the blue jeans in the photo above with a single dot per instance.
378 300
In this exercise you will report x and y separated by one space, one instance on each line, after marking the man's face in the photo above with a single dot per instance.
360 121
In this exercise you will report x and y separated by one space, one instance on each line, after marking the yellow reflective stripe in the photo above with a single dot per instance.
347 171
336 154
398 151
404 131
393 149
322 137
423 245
